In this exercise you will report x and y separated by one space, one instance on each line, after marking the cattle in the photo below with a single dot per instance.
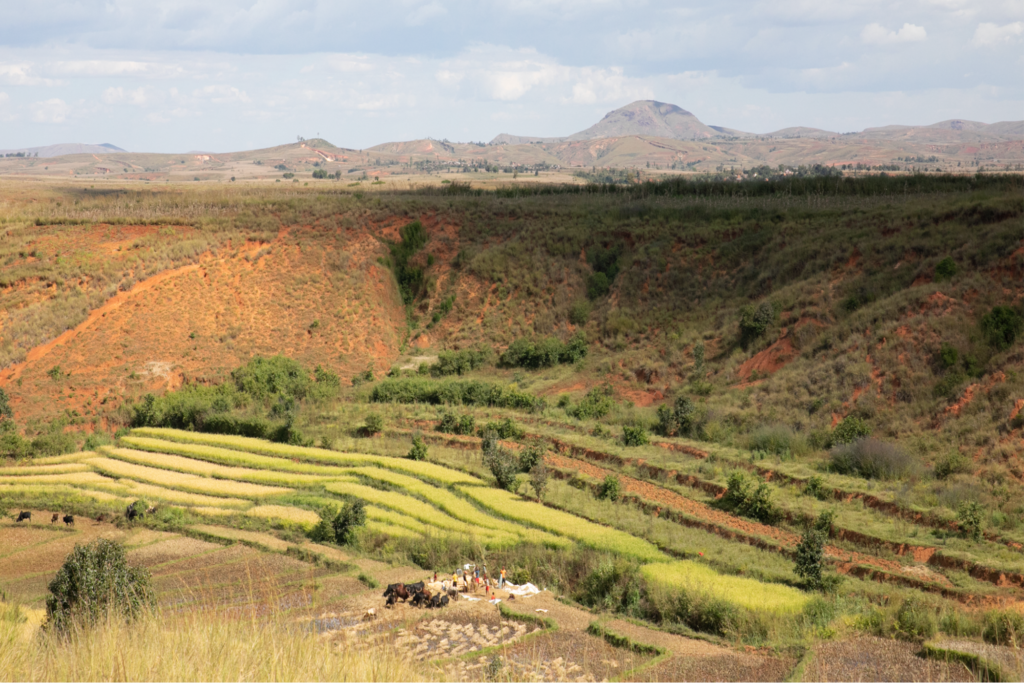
132 513
444 601
453 593
418 600
69 520
397 590
370 614
415 587
435 602
25 516
102 517
56 516
391 601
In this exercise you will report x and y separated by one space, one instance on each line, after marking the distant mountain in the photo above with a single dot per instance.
649 118
65 148
801 132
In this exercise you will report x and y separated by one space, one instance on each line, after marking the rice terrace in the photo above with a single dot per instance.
685 429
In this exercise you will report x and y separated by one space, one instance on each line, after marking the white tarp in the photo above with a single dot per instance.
524 591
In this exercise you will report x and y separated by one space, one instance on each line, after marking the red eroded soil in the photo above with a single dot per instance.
729 525
198 322
775 356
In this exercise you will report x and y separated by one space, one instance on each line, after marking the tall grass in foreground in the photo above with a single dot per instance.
196 645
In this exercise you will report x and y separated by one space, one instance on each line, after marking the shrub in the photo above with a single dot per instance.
915 621
351 515
774 440
364 376
502 463
323 531
754 322
595 405
969 519
597 286
635 436
546 353
810 558
410 278
450 423
849 430
1001 327
954 463
529 457
679 420
96 580
948 356
453 392
579 313
418 450
1004 627
459 362
539 482
754 503
506 429
816 487
5 406
945 269
610 488
871 459
374 424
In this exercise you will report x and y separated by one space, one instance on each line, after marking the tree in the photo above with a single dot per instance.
810 558
419 449
94 580
352 515
968 518
504 465
5 407
539 478
610 489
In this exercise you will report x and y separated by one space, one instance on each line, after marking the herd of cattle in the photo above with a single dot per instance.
417 595
132 512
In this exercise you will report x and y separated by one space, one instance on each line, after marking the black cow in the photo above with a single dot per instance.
415 587
25 516
69 520
444 601
132 513
418 600
435 602
391 601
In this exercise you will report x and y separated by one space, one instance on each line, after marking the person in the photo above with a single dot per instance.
455 580
501 580
435 577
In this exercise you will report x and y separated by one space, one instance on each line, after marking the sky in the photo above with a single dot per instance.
228 75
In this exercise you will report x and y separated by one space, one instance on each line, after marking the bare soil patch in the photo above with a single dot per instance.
877 659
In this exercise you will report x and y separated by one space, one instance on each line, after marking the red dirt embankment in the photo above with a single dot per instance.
331 305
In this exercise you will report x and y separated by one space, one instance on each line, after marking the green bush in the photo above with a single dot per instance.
453 392
351 515
410 278
610 488
816 487
95 580
5 407
755 503
954 463
450 423
1004 627
418 450
948 356
810 559
915 621
579 313
598 285
969 519
530 456
774 440
506 429
459 362
502 462
595 405
374 424
872 459
680 420
945 269
849 430
1001 327
754 322
546 353
635 435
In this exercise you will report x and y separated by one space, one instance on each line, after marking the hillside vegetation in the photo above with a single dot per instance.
650 398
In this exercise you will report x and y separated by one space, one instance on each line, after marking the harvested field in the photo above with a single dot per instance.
877 659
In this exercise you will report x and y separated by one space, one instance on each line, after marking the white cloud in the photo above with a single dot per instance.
101 67
424 13
54 110
993 34
221 94
140 97
21 74
606 85
878 34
